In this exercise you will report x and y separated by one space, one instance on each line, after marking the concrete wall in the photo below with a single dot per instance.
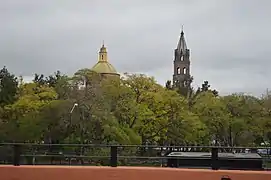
122 173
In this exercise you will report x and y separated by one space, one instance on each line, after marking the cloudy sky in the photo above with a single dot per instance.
229 39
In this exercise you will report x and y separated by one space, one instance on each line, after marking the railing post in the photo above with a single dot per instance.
253 150
114 156
16 154
215 162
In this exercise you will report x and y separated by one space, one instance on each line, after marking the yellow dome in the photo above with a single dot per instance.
104 67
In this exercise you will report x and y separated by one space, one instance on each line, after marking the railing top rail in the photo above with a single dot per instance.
119 145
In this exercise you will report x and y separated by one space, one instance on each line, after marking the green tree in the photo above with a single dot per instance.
32 98
213 113
39 79
158 115
49 124
206 87
132 110
238 127
183 126
8 87
60 82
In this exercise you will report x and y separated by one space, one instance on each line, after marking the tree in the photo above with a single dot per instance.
32 98
93 118
206 87
212 111
132 110
266 125
158 115
183 127
169 85
8 87
39 79
50 123
61 83
238 128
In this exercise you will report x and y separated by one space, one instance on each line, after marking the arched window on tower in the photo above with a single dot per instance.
182 58
178 70
184 70
102 57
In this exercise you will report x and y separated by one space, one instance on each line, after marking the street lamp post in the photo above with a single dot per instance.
74 105
70 122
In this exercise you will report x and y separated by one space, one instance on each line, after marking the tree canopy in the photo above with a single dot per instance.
88 108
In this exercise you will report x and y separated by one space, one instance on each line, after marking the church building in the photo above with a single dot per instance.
181 63
103 66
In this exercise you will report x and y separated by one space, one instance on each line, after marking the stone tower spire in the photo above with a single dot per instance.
181 76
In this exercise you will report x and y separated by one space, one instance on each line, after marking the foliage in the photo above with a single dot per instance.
8 87
89 108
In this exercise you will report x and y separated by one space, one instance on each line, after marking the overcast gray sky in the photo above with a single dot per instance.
229 39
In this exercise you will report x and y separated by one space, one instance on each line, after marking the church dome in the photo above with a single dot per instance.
103 66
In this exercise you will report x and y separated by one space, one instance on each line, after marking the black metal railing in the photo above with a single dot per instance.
109 155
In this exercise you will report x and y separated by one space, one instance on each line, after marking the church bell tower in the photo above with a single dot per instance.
181 76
